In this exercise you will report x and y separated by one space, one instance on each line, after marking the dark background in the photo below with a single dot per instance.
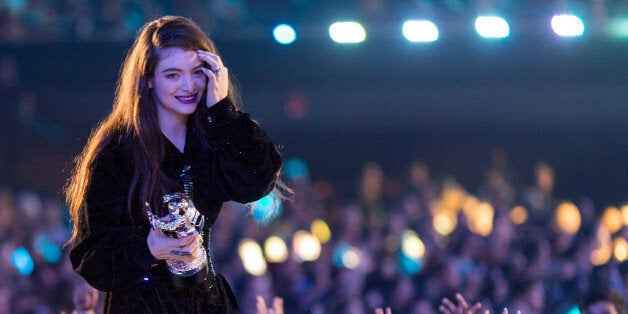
448 103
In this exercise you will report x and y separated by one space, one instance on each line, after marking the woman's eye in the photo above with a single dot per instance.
198 72
172 75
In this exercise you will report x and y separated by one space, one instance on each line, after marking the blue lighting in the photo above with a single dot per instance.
492 27
337 255
409 266
22 261
267 208
296 168
284 34
50 251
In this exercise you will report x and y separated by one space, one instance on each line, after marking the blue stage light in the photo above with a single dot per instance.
267 208
22 261
284 34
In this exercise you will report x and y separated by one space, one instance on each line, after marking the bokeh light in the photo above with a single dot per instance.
444 222
518 215
252 257
347 32
320 230
284 34
296 168
420 31
306 246
624 214
50 251
296 105
22 261
568 217
620 249
275 249
481 222
618 27
603 250
612 219
411 245
346 256
492 27
567 25
267 208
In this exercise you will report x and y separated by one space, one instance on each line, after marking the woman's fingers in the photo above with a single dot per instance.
218 77
213 60
164 247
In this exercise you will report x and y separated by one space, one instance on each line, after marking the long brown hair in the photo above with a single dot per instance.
134 115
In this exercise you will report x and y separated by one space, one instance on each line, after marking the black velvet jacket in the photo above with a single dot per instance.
235 161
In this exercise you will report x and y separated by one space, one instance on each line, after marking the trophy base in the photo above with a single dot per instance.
190 280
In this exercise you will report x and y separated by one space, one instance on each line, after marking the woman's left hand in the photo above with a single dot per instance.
217 77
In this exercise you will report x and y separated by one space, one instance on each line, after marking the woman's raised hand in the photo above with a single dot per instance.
217 77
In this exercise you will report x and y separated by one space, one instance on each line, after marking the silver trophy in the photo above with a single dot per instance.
182 220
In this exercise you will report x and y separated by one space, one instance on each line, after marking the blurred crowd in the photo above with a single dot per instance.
403 243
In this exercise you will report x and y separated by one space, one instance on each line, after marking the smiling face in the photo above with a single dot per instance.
178 84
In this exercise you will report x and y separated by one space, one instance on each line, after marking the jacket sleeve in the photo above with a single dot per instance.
110 252
246 163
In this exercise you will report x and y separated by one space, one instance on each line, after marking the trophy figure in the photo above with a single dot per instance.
182 220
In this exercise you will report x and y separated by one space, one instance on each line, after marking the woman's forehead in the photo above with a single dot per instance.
178 58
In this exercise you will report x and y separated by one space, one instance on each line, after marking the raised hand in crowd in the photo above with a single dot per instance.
262 308
448 307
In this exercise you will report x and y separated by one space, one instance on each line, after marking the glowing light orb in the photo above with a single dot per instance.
568 217
492 27
275 249
567 25
306 246
284 34
252 257
347 32
320 230
420 31
267 208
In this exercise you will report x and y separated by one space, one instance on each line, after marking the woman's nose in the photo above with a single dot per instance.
188 84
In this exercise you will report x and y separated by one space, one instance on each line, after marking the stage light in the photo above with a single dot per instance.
347 32
420 31
603 250
284 34
481 220
620 249
22 261
50 251
567 25
296 169
444 222
320 230
492 27
568 217
518 215
618 27
267 208
252 258
275 250
306 246
411 245
346 256
612 219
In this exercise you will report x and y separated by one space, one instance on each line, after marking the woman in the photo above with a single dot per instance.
173 129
